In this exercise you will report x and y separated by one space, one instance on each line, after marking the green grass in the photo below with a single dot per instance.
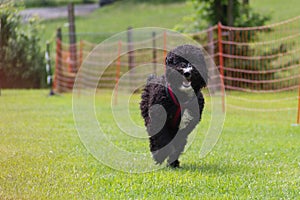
42 157
118 17
279 10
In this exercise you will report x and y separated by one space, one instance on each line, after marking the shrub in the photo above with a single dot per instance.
158 1
22 61
210 12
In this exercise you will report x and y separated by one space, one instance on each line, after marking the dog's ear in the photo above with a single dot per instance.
169 60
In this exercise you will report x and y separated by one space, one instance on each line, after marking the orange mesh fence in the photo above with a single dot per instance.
64 72
262 59
253 60
257 60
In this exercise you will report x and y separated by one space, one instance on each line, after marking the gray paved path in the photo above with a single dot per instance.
58 12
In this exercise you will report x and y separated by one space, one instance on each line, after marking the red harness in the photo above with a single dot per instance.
178 110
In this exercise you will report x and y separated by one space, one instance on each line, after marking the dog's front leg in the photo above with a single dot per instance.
160 146
158 132
177 147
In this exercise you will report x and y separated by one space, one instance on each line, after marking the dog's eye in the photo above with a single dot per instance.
185 65
181 65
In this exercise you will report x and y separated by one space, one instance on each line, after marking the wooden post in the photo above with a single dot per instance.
58 61
72 35
130 56
154 53
221 63
298 116
0 47
211 52
81 52
210 36
118 69
165 48
130 47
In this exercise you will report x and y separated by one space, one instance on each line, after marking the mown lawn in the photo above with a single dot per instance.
116 18
278 9
42 157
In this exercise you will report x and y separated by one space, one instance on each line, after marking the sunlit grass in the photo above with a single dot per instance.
42 157
279 10
116 18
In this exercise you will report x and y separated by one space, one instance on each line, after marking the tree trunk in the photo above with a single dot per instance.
219 12
230 19
245 2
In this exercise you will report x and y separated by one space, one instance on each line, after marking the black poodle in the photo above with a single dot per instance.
172 104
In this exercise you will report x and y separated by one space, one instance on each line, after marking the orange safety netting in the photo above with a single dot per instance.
257 60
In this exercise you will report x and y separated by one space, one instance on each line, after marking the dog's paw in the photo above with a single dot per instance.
159 157
175 164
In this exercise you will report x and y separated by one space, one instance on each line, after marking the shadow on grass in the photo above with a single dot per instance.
211 168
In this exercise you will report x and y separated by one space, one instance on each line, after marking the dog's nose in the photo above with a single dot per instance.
187 74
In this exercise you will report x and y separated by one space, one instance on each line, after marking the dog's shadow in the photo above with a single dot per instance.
208 168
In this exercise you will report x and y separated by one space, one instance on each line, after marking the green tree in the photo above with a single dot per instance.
228 12
238 13
22 59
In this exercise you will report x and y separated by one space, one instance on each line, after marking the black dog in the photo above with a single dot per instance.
172 104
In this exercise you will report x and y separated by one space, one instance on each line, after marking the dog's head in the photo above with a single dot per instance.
186 67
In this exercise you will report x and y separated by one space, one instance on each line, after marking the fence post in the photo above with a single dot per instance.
154 55
72 35
221 63
210 50
81 52
298 116
165 49
48 69
118 69
130 47
130 55
0 48
58 61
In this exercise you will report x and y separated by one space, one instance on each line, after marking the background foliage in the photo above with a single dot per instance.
22 59
210 12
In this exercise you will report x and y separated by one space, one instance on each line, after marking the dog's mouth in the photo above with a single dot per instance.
187 76
186 83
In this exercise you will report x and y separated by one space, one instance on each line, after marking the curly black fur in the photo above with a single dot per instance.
167 135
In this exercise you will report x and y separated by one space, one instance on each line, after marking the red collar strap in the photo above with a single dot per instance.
175 101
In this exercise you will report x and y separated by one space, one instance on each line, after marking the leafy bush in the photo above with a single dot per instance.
156 1
210 12
22 61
